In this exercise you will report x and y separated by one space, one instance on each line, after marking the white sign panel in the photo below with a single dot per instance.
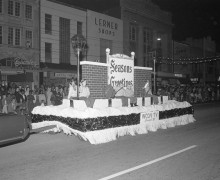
149 116
121 72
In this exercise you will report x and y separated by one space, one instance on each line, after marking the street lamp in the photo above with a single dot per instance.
79 45
154 54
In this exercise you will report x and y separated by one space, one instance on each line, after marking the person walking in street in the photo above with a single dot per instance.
30 102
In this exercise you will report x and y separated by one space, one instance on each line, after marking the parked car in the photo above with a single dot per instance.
13 128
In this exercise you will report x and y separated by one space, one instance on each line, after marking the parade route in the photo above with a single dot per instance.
147 164
180 153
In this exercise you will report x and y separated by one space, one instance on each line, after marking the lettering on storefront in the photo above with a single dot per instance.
106 27
149 116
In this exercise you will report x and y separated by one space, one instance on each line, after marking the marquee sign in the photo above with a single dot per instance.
121 71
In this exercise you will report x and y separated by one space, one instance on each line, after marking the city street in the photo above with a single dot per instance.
190 152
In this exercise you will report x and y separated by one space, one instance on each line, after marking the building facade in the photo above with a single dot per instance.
146 30
195 59
103 32
19 41
59 22
204 71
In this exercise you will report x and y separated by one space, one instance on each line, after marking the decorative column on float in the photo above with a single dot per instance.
132 55
107 61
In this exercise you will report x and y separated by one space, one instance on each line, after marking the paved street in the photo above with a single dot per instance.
190 152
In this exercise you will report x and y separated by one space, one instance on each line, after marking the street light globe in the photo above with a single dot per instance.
158 39
78 43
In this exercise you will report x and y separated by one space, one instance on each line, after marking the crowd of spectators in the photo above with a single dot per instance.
15 98
192 93
18 99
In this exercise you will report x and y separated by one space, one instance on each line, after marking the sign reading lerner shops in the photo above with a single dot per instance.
121 72
106 27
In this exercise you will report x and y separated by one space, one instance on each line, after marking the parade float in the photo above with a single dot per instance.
108 119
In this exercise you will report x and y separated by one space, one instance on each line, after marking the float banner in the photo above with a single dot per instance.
149 116
121 71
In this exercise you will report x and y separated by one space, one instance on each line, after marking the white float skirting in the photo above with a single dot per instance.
111 134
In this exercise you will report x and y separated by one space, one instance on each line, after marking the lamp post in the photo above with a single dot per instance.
79 45
154 61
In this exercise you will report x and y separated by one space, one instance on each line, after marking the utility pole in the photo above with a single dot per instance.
154 56
204 63
173 66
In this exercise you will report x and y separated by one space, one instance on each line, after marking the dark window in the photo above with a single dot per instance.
145 48
132 33
48 24
1 35
10 36
14 36
28 36
48 52
28 11
17 37
104 44
1 6
64 47
79 27
145 36
17 9
144 41
10 7
210 70
145 61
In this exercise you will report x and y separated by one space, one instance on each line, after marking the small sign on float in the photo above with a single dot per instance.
149 116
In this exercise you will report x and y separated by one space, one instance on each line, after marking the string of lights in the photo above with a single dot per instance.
186 61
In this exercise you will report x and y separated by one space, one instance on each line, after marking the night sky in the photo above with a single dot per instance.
191 18
194 18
